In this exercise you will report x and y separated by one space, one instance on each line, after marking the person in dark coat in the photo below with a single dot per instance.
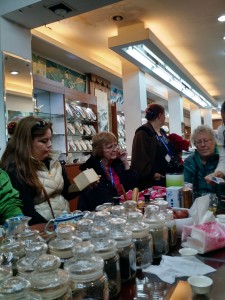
153 155
110 163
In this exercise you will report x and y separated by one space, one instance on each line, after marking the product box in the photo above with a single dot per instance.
174 195
83 180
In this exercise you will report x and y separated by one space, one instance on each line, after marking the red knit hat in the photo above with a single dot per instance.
178 142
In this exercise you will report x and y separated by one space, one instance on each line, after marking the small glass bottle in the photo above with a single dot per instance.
141 238
158 230
106 248
172 229
87 277
33 251
48 280
125 248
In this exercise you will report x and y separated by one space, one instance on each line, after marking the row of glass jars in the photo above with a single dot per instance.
116 261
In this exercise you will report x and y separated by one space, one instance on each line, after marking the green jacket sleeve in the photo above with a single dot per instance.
10 204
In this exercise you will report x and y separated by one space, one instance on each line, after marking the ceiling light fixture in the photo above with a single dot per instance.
158 67
221 18
117 18
14 72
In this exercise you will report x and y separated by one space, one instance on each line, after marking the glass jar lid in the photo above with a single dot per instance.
13 285
28 235
152 217
84 248
134 223
85 269
106 248
118 232
47 262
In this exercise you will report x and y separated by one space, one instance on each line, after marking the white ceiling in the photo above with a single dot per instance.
189 29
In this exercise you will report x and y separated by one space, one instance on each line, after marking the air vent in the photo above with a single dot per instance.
60 9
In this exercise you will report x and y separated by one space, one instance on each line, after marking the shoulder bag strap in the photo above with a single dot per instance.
48 200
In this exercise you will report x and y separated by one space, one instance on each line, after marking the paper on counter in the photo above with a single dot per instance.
172 267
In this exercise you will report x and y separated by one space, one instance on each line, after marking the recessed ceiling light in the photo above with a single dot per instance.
14 72
117 18
221 18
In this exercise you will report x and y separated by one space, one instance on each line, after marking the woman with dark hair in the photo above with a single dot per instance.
110 162
35 171
153 155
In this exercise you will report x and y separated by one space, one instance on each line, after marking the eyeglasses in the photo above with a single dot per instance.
204 142
111 147
40 124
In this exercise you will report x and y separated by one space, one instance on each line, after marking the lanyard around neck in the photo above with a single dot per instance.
161 139
110 174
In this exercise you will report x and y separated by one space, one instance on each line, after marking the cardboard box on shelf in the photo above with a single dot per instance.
83 180
174 195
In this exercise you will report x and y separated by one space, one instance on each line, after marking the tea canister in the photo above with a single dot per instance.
125 248
141 238
158 230
87 278
106 248
47 280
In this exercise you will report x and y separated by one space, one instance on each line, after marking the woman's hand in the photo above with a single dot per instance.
218 174
122 155
158 176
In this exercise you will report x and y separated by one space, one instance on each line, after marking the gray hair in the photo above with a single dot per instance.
203 129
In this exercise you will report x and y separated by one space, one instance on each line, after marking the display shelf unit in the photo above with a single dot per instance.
73 115
82 125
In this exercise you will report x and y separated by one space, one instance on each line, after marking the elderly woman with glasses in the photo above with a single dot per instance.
35 171
200 165
110 162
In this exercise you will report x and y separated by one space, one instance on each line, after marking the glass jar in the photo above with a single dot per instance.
47 280
125 248
16 288
106 248
158 230
33 251
141 238
83 249
88 280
